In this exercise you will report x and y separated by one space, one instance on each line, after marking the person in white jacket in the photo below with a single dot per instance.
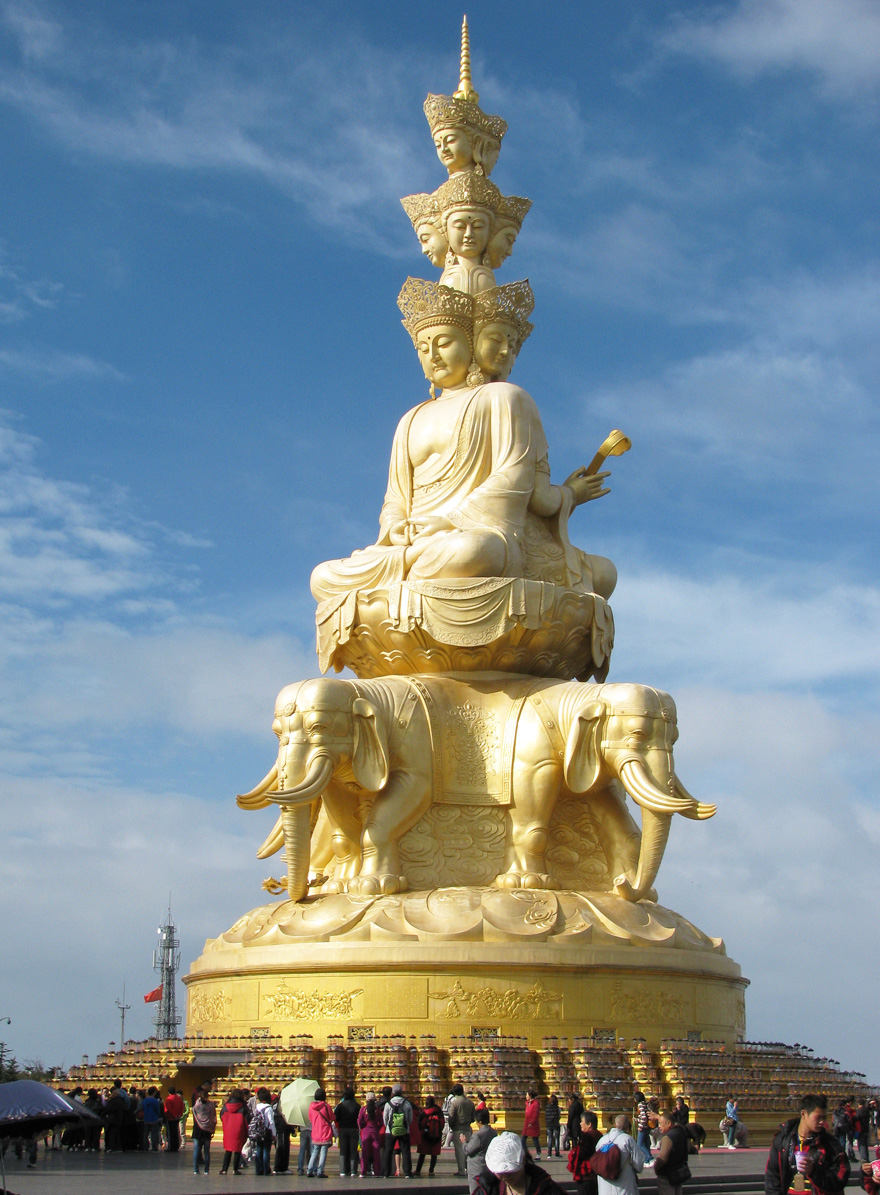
631 1159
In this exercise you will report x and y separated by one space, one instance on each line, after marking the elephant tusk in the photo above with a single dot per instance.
700 811
316 779
649 795
256 798
274 842
297 822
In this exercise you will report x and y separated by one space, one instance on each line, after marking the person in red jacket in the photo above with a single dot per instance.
234 1118
532 1123
173 1109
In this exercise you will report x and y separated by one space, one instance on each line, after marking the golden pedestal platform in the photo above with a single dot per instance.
466 962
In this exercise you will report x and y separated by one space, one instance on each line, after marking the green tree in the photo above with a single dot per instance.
8 1066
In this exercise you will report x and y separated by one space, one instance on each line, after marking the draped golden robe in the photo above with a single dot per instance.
482 483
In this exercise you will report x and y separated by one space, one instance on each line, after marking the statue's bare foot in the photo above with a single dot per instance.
377 885
523 879
331 887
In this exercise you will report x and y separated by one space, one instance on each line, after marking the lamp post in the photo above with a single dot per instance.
123 1009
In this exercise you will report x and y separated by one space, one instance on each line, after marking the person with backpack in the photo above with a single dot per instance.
580 1155
671 1163
261 1131
397 1116
204 1112
804 1147
430 1134
617 1160
841 1125
234 1116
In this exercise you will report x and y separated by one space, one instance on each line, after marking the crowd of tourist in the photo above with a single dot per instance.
389 1134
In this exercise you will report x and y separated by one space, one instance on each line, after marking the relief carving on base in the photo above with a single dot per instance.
639 1004
299 1005
535 1004
209 1007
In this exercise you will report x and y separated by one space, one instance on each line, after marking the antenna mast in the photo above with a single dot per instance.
166 960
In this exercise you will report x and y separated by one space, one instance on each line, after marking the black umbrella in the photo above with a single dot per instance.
28 1108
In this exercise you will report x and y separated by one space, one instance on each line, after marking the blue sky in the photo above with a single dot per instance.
201 367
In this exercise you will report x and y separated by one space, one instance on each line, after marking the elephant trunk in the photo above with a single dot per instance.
314 782
256 798
655 832
297 823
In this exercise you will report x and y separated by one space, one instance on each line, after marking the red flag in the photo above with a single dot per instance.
156 994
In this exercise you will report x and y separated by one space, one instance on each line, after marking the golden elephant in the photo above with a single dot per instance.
370 756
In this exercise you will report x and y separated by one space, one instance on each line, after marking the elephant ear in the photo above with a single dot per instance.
369 755
582 754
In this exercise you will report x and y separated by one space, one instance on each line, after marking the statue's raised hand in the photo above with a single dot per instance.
587 486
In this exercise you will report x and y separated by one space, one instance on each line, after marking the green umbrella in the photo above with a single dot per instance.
295 1099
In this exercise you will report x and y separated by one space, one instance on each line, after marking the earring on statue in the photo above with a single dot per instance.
475 376
432 391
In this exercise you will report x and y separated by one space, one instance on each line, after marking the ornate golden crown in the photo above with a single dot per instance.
425 303
467 189
515 208
510 304
420 207
462 109
447 111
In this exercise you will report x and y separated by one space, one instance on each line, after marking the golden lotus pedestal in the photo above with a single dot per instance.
466 962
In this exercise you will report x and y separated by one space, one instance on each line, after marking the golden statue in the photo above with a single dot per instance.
471 784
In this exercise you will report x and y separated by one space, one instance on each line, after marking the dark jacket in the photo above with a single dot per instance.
346 1113
538 1182
575 1108
681 1115
552 1114
830 1164
673 1150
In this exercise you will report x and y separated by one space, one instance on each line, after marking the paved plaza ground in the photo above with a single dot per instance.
171 1174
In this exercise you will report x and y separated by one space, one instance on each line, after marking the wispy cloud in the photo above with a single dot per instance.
50 365
20 296
837 41
326 130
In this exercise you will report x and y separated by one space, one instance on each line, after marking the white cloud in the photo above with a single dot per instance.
837 40
50 365
329 131
20 297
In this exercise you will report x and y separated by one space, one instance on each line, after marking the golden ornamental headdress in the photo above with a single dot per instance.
420 207
513 208
424 304
467 189
510 304
462 109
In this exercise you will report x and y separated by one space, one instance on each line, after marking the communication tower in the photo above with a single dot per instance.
166 960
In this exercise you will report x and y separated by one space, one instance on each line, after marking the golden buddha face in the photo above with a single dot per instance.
433 242
501 244
454 149
495 350
445 353
467 230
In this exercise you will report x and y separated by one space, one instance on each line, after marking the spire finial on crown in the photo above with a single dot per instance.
466 84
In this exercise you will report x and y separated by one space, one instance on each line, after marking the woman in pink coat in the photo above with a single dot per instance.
323 1123
532 1125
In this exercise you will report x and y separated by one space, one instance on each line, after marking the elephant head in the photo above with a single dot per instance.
628 732
322 726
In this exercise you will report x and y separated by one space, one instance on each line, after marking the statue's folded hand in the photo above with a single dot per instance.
431 525
399 534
